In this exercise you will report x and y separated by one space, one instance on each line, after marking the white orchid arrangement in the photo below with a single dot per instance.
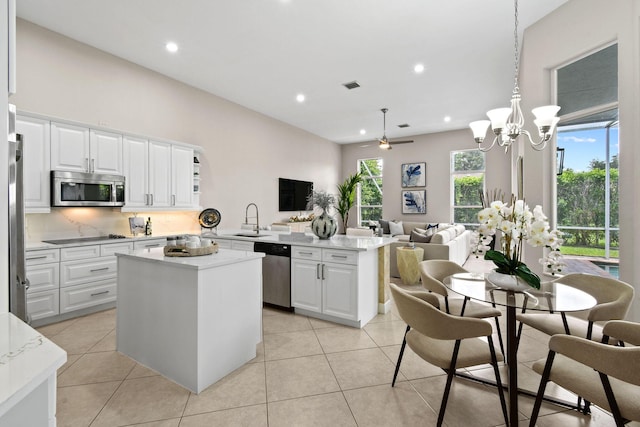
518 224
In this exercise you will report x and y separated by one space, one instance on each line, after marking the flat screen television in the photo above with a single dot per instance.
292 194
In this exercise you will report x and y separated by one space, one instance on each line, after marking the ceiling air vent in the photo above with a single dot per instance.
351 85
404 125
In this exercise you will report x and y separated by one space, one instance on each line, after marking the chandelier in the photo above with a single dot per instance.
507 123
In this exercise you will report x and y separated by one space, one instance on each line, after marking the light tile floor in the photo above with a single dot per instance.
307 373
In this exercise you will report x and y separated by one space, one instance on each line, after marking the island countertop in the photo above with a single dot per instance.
354 243
203 262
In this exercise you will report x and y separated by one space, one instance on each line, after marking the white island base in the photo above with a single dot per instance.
192 319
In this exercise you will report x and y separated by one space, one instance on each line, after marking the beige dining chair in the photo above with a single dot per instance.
613 299
446 341
363 232
434 271
603 374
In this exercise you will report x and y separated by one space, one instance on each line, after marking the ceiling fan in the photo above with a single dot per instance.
385 144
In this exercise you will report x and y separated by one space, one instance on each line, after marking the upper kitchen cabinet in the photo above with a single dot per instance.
80 149
159 175
35 136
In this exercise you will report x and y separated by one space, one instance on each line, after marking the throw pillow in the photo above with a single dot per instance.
385 226
396 228
418 237
433 227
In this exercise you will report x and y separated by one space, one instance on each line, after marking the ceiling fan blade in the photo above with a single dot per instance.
409 141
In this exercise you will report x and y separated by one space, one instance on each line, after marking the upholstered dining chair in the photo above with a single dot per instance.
613 299
434 271
446 341
363 232
605 375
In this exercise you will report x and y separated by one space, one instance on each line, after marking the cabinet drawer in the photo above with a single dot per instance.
304 252
79 252
42 256
43 304
43 277
83 296
78 272
148 244
340 256
224 244
112 248
242 246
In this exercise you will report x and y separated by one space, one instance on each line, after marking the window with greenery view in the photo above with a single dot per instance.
370 191
467 185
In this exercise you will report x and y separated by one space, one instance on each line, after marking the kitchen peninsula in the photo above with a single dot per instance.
192 319
341 279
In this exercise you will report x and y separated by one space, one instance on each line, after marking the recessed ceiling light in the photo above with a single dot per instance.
418 68
362 131
447 119
300 97
172 47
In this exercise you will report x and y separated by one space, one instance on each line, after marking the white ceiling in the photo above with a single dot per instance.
262 53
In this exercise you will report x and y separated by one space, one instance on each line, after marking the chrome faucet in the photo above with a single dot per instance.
246 217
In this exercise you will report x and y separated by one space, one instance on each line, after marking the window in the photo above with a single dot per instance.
467 185
370 191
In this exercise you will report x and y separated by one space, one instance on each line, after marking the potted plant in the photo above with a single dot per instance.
517 224
346 197
324 226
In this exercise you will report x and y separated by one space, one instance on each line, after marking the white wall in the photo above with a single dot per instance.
575 29
434 149
4 160
245 152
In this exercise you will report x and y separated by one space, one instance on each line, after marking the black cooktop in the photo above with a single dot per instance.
85 239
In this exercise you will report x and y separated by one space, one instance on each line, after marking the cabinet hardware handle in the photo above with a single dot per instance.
99 293
339 256
99 269
151 197
152 246
173 200
323 270
36 257
318 271
86 164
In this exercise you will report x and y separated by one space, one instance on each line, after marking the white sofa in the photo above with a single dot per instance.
450 241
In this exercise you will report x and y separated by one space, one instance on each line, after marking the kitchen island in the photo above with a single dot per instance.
192 319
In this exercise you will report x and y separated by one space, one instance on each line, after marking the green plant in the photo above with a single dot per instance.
346 197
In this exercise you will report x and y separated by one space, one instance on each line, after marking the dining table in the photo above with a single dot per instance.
553 296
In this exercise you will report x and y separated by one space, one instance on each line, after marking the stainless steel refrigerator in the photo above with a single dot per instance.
18 283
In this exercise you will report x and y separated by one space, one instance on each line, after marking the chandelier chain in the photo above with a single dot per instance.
516 49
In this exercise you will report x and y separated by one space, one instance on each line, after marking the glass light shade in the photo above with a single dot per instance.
545 114
385 145
479 128
551 123
499 117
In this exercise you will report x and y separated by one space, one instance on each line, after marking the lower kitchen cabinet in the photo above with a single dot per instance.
87 295
333 284
43 273
43 304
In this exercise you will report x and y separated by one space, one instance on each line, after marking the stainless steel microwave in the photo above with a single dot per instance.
86 189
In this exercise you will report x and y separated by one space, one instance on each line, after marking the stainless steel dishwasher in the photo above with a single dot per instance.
276 274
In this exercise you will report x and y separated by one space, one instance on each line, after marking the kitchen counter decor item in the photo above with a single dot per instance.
184 251
209 218
323 226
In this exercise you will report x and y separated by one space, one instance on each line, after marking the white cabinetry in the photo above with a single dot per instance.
43 295
150 243
36 150
159 175
334 284
80 149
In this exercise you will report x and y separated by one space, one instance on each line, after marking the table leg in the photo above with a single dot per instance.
512 361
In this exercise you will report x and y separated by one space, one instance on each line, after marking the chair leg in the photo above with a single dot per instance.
450 374
615 410
518 335
500 338
494 362
543 386
404 343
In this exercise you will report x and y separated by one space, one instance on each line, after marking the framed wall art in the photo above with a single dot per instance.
414 202
414 174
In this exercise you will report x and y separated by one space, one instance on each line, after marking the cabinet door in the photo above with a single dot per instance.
340 290
160 174
36 149
106 152
306 286
45 277
181 176
43 304
69 147
136 171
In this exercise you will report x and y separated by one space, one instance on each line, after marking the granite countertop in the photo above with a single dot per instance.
34 245
354 243
222 257
27 359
